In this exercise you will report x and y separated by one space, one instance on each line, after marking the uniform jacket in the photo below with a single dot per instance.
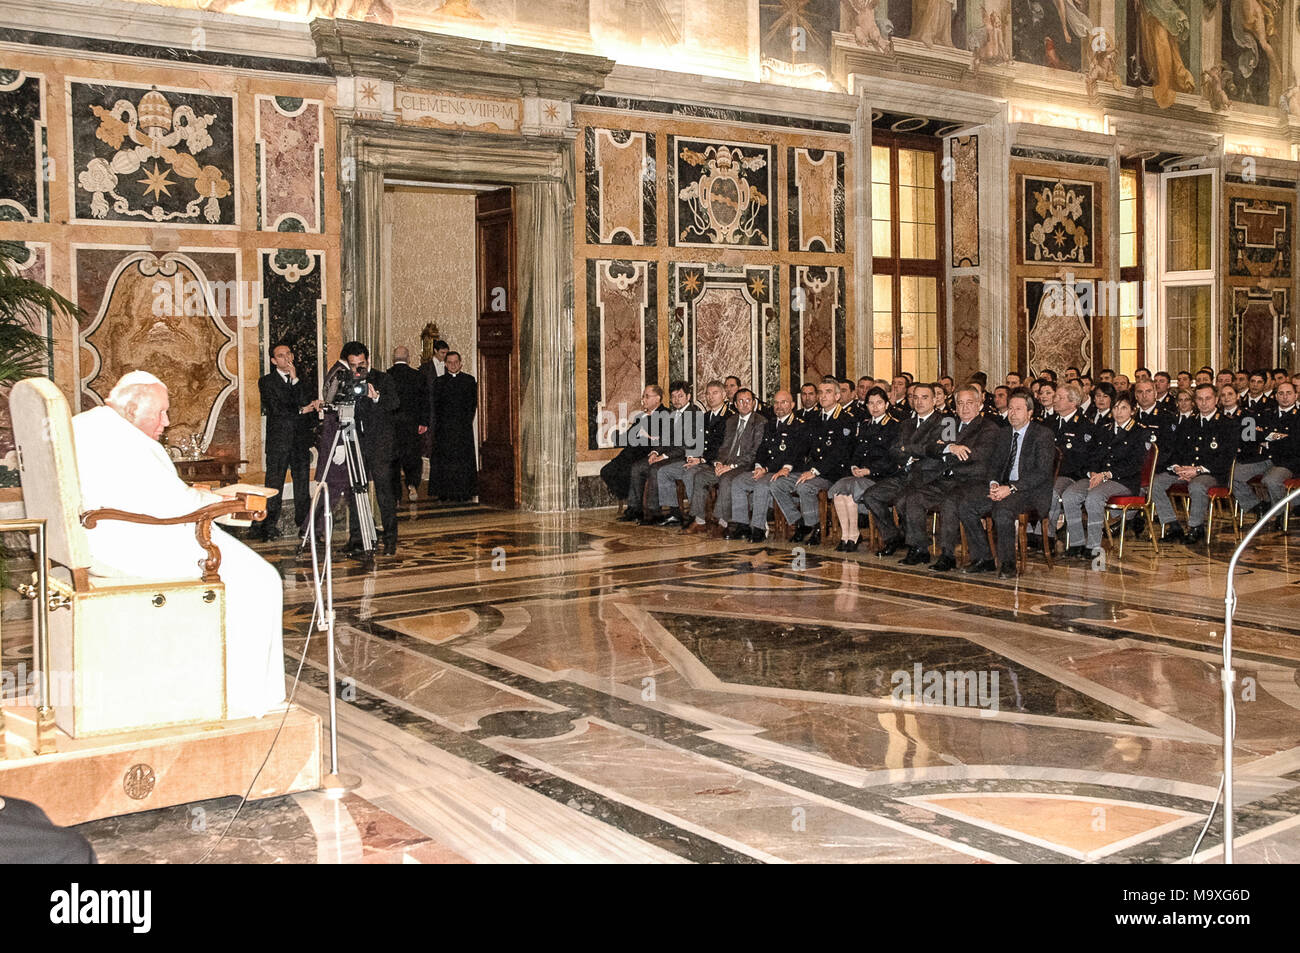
784 444
1124 455
871 448
1286 451
829 443
1206 442
1081 443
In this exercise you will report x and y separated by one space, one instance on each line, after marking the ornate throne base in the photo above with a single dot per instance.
90 778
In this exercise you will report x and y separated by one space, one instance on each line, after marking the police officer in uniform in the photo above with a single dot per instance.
1081 444
1200 455
871 461
829 437
784 445
1118 474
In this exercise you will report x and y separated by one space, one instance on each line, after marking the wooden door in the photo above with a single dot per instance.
498 356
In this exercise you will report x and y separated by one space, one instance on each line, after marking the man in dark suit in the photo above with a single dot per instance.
743 435
911 454
1200 453
290 413
625 475
1023 459
965 457
376 427
411 420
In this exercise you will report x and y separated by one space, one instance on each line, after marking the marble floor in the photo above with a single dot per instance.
523 688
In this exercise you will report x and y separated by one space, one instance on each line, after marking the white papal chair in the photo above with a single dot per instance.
126 653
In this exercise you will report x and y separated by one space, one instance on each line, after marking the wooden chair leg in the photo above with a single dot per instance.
1022 543
963 550
1047 547
988 534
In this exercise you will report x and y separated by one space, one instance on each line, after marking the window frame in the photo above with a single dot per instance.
1137 271
896 266
1201 277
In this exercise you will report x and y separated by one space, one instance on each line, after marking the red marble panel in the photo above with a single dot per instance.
622 300
724 334
291 134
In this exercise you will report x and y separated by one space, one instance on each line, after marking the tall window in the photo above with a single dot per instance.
907 320
1133 316
1187 256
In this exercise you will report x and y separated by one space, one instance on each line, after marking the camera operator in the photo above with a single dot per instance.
376 425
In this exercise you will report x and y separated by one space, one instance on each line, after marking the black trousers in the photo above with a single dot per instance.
297 460
410 464
28 837
975 504
383 476
880 499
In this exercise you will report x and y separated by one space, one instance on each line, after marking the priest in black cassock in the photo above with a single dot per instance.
453 467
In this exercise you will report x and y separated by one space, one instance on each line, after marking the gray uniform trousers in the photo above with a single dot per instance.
785 490
722 505
1079 498
752 497
1062 484
1198 488
666 476
1274 478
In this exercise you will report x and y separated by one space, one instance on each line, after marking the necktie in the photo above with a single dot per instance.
1011 457
740 429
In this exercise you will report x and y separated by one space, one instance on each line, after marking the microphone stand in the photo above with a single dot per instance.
336 783
1228 677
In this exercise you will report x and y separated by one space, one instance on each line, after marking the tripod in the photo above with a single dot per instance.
358 482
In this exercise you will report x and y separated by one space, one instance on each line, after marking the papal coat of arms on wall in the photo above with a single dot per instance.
159 156
1058 221
722 194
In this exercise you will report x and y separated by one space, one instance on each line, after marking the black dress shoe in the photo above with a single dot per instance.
944 563
353 549
816 538
672 519
1195 534
915 557
1076 552
889 548
390 546
757 535
984 565
1007 572
801 534
629 516
1173 532
842 546
737 531
851 546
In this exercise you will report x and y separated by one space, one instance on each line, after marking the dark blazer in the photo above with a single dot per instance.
412 389
742 457
1284 452
980 436
1081 444
715 428
1037 464
1125 453
784 444
376 421
282 403
916 440
1206 443
902 410
830 443
872 449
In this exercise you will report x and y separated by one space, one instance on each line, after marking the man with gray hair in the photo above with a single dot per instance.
122 466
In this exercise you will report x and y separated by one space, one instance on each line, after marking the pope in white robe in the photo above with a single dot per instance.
122 465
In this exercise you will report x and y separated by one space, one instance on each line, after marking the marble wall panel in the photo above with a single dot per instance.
290 145
964 327
723 195
147 154
1058 318
723 324
816 183
1058 224
817 344
293 296
31 260
1257 317
621 326
964 209
24 168
620 187
1260 236
176 315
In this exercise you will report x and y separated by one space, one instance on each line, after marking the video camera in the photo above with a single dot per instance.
344 387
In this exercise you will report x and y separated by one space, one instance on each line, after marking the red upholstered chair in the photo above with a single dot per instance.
1124 504
1290 486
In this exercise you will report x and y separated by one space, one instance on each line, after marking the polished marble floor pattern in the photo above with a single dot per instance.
520 687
